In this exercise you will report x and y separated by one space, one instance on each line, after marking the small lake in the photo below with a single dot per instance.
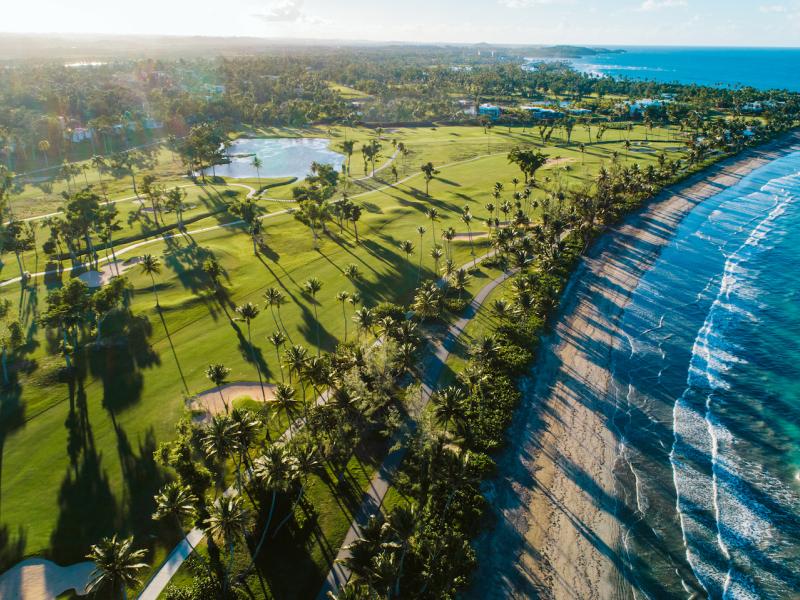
281 157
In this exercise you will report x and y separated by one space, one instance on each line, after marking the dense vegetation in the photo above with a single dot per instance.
359 278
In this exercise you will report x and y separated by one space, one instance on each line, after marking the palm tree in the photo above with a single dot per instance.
274 299
436 255
44 148
348 146
218 373
449 235
343 297
151 267
285 400
353 215
448 403
116 565
433 215
220 441
312 287
226 523
247 312
257 164
466 217
364 319
459 281
295 358
175 501
352 272
278 339
402 524
276 471
407 247
421 231
99 163
429 171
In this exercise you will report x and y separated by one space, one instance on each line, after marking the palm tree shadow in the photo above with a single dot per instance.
87 507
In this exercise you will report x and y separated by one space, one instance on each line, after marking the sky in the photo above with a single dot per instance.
590 22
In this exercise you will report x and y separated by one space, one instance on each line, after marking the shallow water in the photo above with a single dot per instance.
281 157
707 396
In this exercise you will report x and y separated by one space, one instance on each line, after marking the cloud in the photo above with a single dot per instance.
285 11
650 5
772 8
525 3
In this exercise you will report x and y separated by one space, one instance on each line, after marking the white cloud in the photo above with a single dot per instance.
650 5
772 8
285 11
525 3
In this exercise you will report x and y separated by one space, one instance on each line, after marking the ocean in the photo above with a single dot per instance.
707 396
762 68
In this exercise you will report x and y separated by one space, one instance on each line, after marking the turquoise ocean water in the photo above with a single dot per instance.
707 397
762 68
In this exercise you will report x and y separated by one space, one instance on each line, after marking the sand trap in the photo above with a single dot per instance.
476 235
558 161
41 579
95 279
209 403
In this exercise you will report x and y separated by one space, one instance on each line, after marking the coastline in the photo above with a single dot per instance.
555 534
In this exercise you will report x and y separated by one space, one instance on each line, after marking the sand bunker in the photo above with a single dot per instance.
209 402
95 279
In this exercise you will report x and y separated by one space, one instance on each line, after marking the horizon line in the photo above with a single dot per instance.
355 41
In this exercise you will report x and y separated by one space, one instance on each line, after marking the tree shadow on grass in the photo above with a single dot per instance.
12 416
87 507
117 361
143 478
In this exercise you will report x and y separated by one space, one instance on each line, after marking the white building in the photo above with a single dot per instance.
79 134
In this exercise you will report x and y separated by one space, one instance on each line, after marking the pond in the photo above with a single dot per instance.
280 157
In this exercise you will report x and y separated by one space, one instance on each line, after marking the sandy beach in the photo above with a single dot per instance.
554 533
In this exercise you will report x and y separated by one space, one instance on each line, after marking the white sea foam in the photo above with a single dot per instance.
701 438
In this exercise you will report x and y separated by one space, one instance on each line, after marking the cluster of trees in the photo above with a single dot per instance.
41 105
269 473
402 553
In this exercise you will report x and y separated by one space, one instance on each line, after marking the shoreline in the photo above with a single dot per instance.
553 503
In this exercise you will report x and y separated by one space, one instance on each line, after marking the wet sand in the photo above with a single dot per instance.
554 533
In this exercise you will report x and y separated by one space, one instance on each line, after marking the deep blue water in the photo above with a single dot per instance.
707 390
763 68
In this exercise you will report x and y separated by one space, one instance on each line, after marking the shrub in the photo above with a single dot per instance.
389 309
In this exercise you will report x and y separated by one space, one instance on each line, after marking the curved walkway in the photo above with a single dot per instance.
251 191
380 483
181 552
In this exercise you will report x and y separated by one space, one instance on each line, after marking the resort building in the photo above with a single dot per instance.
543 114
468 107
638 107
490 110
79 134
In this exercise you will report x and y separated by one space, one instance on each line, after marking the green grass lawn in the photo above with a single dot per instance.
77 461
